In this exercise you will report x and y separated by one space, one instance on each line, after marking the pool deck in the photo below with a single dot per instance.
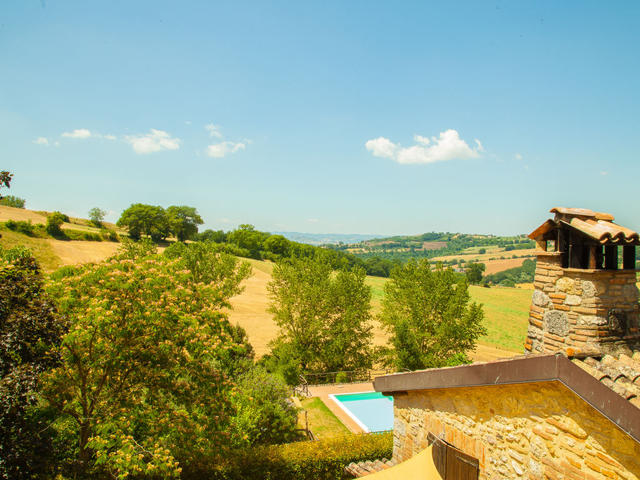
323 391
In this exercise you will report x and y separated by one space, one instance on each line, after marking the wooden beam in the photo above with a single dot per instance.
592 257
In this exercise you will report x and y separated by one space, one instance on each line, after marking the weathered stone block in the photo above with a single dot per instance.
573 300
556 322
540 299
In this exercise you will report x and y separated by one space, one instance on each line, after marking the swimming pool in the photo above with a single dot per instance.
372 411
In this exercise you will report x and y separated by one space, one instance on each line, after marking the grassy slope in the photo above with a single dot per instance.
322 422
506 312
505 308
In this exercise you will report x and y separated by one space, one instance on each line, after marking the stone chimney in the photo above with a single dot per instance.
585 299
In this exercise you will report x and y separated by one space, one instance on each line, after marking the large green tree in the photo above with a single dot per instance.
324 317
143 380
429 316
183 222
29 332
141 219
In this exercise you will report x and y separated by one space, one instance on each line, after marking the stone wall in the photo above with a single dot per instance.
534 431
575 310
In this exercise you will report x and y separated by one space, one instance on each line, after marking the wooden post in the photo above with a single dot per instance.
629 257
611 257
592 257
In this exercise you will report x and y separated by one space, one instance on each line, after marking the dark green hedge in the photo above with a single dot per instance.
321 460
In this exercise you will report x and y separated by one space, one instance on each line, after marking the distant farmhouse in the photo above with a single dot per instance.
567 409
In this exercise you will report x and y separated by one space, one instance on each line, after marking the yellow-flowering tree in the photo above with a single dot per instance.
143 375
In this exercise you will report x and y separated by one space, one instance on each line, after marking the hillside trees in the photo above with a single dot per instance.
323 318
474 272
429 316
143 219
158 223
96 215
29 332
12 201
143 382
183 222
54 222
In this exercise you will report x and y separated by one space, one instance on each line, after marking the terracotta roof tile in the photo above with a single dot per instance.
620 373
364 468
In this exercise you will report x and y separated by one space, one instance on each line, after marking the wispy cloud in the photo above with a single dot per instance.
604 172
78 133
154 141
518 156
84 133
447 146
41 141
219 150
214 130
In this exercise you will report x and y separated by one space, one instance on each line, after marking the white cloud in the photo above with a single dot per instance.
447 146
214 130
78 133
312 220
219 150
381 147
604 172
154 141
109 137
421 139
41 141
518 156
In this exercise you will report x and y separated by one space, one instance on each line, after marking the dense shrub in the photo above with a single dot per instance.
12 201
20 226
324 459
29 333
54 222
81 235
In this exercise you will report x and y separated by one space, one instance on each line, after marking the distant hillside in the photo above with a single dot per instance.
496 252
325 238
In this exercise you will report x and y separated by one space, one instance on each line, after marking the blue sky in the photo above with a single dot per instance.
345 117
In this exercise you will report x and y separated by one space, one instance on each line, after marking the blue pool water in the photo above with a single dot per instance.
371 410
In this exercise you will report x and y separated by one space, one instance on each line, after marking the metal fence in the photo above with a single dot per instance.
341 377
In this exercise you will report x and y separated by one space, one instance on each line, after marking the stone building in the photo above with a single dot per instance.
567 409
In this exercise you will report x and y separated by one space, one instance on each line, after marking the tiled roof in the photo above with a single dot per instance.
597 225
365 468
621 374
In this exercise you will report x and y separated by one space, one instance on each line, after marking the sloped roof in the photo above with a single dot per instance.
596 225
605 384
621 374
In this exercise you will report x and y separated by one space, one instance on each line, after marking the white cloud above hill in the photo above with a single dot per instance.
154 141
219 150
447 146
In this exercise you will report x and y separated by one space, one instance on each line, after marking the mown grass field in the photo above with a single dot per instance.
322 422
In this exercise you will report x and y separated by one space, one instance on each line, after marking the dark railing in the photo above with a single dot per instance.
351 376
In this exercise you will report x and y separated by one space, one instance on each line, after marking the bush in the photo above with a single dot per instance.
80 235
324 459
54 222
26 228
11 201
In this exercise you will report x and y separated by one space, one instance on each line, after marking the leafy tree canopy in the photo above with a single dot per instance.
143 380
474 272
12 201
96 215
29 332
324 317
143 219
184 222
430 317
